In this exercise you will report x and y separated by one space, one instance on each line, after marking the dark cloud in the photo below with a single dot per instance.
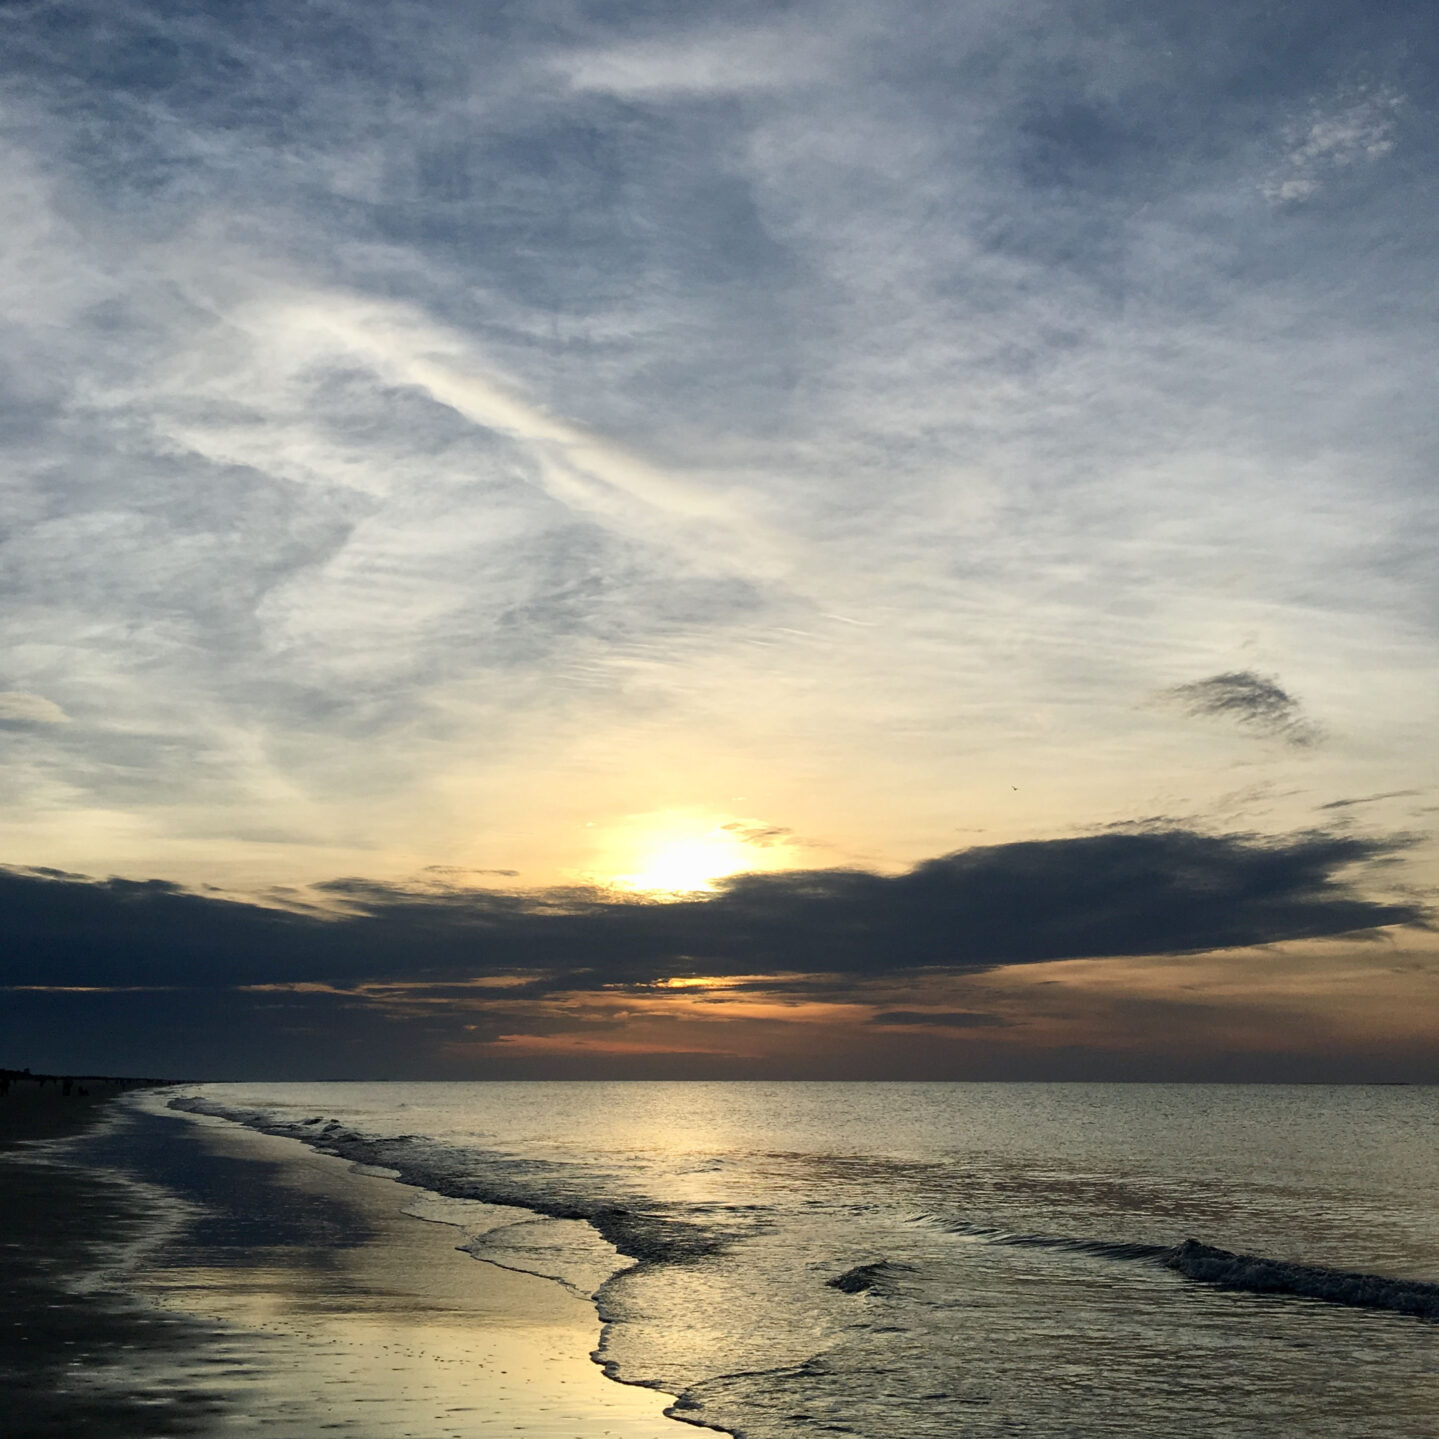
1102 895
940 1018
1255 701
1370 798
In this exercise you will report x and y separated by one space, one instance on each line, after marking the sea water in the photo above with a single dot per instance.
978 1260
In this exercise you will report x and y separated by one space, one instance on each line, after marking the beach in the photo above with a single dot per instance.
1059 1261
450 1260
172 1275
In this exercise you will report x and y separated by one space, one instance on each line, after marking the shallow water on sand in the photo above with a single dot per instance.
1003 1244
325 1310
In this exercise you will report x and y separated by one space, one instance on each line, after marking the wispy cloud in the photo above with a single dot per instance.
718 60
415 420
17 707
1356 128
938 1018
760 835
1256 702
1371 798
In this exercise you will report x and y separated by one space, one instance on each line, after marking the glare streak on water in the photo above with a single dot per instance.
1005 1238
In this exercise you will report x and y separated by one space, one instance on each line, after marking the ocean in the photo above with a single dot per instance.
918 1260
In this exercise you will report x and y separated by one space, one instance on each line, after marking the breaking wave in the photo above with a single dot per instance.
646 1234
1247 1273
793 1284
640 1231
1257 1275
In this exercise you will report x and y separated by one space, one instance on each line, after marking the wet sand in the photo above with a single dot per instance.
36 1108
238 1283
77 1358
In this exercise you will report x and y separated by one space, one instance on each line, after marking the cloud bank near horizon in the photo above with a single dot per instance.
917 973
1143 893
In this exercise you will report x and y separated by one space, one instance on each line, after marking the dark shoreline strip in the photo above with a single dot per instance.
78 1357
51 1106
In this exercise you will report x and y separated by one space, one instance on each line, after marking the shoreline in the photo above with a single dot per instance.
586 1314
272 1289
52 1106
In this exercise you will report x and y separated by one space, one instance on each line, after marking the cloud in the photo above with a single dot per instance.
20 708
457 873
1357 128
762 836
719 61
979 909
1255 701
394 402
939 1018
1371 798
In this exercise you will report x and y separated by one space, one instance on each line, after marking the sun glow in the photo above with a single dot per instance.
675 854
690 865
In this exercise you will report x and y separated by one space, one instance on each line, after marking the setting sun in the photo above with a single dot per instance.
677 853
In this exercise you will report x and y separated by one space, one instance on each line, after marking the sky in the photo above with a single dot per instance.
563 539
